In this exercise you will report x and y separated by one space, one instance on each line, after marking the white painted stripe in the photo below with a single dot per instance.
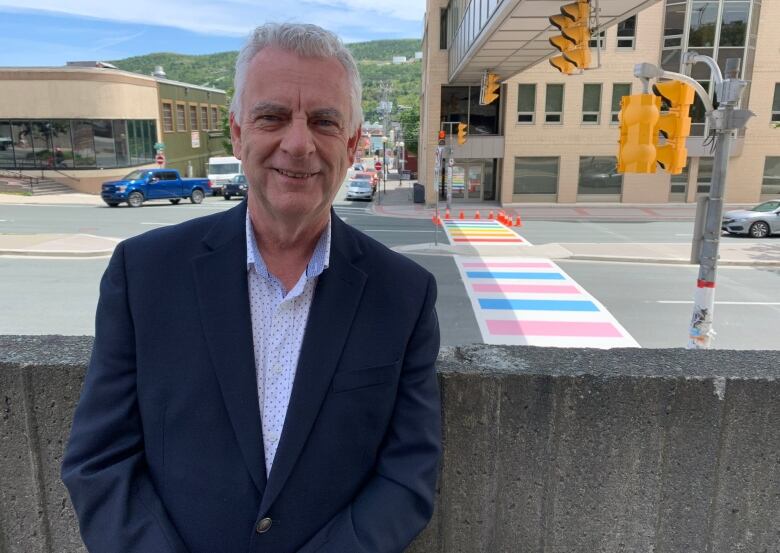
768 303
602 315
393 230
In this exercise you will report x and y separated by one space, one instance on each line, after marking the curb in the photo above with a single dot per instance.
56 253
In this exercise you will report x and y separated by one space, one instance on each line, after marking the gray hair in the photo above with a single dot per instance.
305 40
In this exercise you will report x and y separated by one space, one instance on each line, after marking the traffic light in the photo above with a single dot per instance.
462 132
442 137
639 115
574 24
490 87
674 124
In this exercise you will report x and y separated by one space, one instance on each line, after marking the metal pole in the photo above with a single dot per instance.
384 167
450 163
724 120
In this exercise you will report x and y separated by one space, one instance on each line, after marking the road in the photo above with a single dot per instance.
652 302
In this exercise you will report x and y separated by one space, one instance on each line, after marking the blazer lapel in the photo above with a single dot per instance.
336 299
229 338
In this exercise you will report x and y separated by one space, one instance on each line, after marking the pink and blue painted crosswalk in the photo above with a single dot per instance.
481 232
526 301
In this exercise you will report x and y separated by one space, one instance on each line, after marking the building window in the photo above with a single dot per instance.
598 175
461 104
214 118
167 111
193 118
536 175
591 103
83 144
771 182
598 41
776 104
704 178
553 104
626 33
618 91
204 118
181 120
679 186
443 28
526 103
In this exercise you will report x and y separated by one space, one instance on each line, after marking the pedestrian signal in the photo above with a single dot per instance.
574 24
462 132
639 115
674 124
489 90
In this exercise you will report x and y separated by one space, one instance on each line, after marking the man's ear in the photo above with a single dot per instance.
352 144
235 136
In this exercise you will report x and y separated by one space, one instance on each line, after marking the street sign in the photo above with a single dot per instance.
160 159
378 165
159 146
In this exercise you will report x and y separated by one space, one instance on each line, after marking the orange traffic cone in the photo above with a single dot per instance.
518 221
490 215
461 215
476 215
447 214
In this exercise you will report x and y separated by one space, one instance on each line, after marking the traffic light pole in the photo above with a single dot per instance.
450 162
723 122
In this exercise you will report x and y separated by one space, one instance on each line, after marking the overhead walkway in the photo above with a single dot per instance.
509 36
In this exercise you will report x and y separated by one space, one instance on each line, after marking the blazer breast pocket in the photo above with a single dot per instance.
363 378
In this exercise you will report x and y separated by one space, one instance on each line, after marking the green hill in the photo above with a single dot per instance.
374 59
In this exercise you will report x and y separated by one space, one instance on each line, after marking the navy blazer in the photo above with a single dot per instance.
166 449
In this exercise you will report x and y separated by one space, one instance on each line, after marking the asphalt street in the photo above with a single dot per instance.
652 302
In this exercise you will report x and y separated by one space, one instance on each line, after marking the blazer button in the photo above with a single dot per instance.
263 526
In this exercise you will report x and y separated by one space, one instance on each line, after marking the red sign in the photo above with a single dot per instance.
160 159
378 165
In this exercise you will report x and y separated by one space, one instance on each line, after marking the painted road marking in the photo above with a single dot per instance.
768 303
481 232
539 305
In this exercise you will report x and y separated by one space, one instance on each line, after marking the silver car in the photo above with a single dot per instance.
758 222
360 190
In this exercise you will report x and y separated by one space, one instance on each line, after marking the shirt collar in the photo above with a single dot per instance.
320 258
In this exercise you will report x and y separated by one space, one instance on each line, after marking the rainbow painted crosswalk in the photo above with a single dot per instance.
478 232
527 301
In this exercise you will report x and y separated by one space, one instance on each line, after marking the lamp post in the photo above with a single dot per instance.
384 164
400 160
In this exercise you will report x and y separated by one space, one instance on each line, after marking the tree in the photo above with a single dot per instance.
226 142
410 124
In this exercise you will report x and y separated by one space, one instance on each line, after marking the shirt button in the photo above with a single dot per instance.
278 369
263 526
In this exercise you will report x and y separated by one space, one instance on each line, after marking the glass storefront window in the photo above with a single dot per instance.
536 175
771 183
105 154
461 104
670 60
120 143
63 144
6 145
44 152
598 175
83 144
21 131
704 18
674 22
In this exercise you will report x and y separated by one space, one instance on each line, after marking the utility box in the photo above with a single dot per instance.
419 193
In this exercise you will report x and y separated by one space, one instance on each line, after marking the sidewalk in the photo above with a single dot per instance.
397 203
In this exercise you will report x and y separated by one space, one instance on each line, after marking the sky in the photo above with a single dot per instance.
50 33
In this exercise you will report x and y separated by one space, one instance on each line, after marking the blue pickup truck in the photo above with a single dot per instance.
154 184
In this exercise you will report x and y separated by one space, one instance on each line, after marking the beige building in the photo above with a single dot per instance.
553 138
85 124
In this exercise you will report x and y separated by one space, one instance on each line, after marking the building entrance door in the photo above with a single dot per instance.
467 181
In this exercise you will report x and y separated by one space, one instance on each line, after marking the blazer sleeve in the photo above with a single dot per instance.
397 502
104 466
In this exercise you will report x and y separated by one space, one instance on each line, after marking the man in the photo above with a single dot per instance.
263 379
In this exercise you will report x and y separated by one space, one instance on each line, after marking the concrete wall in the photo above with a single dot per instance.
546 450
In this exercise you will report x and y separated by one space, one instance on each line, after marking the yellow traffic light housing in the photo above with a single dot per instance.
462 133
574 24
490 89
674 124
639 115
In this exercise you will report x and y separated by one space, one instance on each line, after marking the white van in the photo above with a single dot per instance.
221 170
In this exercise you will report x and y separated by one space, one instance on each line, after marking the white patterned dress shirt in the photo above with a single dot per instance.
278 324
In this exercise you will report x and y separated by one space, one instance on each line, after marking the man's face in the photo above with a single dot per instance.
294 134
